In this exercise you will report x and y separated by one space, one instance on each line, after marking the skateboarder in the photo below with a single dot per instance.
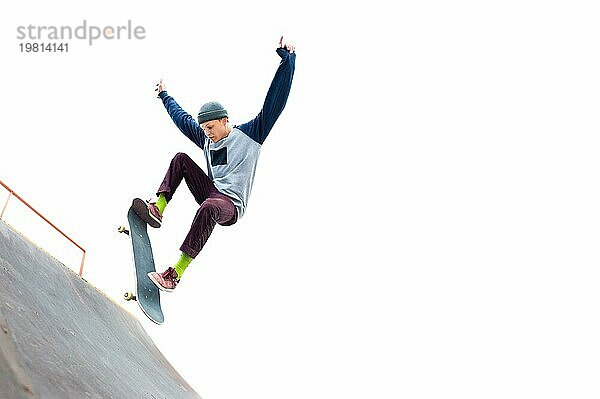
231 154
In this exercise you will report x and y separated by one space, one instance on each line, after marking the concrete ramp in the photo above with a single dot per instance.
62 338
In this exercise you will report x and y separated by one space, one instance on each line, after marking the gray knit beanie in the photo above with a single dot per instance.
211 111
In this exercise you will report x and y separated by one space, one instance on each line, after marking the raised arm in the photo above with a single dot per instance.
258 128
184 121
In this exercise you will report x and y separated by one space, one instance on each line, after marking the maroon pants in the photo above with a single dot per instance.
214 206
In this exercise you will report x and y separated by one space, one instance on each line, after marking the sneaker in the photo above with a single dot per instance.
165 281
148 212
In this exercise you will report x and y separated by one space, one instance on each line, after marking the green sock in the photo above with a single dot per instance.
161 203
182 264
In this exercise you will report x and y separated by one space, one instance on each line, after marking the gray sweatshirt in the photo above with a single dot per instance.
231 162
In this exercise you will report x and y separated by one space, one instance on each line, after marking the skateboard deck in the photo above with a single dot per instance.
147 294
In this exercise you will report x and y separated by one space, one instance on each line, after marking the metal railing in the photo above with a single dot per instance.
11 193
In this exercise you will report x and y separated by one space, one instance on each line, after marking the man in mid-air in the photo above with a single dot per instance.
231 154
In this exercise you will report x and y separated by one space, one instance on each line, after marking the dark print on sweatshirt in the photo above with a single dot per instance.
218 157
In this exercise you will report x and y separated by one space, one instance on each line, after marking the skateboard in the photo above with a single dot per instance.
146 294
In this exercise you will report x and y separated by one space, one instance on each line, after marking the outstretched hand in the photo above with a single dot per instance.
160 87
288 46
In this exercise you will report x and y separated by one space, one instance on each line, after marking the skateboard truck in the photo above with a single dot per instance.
123 229
130 296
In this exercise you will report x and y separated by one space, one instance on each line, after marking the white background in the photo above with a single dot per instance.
424 219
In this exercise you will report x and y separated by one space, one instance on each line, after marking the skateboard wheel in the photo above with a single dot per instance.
129 296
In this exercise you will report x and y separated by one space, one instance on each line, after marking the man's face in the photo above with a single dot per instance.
216 129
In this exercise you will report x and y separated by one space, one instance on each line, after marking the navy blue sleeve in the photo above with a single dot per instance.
258 128
184 121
